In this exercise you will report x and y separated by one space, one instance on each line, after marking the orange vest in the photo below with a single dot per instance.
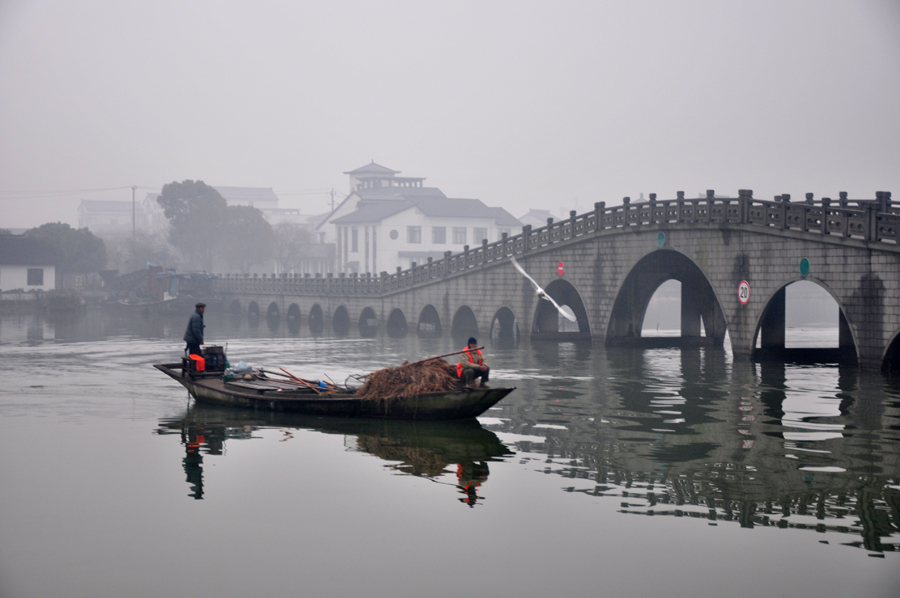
468 353
199 362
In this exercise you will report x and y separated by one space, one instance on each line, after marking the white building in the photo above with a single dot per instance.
26 264
389 221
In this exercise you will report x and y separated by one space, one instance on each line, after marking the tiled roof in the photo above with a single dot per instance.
411 193
374 212
435 207
25 251
504 218
473 208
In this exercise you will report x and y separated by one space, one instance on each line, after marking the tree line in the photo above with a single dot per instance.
204 234
213 236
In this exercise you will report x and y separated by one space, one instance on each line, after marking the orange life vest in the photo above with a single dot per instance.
199 362
468 353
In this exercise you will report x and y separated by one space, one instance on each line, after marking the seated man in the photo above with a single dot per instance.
472 365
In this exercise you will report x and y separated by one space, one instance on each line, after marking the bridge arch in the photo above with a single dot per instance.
464 323
548 323
253 310
235 308
293 312
340 321
316 319
368 322
429 325
504 324
273 316
770 335
272 311
294 318
700 306
396 324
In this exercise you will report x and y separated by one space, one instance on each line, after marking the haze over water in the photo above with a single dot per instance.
607 472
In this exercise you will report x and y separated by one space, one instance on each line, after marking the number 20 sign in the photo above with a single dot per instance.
744 292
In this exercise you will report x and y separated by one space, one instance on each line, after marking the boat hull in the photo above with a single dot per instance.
454 404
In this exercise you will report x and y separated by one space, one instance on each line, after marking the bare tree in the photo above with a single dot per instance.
290 241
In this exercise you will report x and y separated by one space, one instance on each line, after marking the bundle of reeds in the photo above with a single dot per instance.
409 379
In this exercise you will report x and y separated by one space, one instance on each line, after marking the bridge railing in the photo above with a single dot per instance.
874 221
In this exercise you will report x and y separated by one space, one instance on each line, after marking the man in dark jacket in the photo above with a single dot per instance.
193 336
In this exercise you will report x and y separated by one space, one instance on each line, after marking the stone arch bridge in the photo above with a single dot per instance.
606 264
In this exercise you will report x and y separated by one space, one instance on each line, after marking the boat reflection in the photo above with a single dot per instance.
423 449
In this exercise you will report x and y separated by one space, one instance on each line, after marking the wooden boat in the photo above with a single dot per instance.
281 396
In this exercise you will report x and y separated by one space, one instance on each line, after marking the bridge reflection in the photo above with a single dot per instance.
692 434
422 449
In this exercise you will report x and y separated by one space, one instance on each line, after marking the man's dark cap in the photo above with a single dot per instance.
201 304
472 340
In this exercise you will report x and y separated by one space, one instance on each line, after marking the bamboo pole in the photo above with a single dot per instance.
300 380
444 355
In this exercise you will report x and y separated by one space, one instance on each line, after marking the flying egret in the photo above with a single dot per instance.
565 311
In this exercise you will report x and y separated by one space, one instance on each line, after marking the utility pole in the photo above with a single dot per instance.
133 212
332 199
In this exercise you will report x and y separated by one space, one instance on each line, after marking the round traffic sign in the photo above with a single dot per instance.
561 268
744 292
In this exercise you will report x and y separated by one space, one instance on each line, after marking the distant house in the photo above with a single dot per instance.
105 217
262 198
388 221
537 218
115 217
27 264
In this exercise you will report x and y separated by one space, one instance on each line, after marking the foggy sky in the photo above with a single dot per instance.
521 104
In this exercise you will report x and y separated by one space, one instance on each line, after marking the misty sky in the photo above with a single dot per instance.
521 104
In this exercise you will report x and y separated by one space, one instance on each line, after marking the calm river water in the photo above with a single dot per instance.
607 472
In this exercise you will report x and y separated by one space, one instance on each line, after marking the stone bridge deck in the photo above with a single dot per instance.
614 259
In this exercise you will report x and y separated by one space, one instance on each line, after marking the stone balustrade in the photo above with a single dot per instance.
872 221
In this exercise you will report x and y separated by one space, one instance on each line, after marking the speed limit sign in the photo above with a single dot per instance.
744 292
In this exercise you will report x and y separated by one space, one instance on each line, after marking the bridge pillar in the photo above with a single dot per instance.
691 308
845 336
698 304
772 326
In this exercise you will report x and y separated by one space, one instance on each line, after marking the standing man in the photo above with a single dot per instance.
472 365
193 336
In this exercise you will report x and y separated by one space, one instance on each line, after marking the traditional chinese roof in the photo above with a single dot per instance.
434 207
372 168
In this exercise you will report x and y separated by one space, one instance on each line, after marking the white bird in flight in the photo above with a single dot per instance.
564 311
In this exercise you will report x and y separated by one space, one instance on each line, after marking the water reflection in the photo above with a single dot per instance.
688 433
664 432
423 449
